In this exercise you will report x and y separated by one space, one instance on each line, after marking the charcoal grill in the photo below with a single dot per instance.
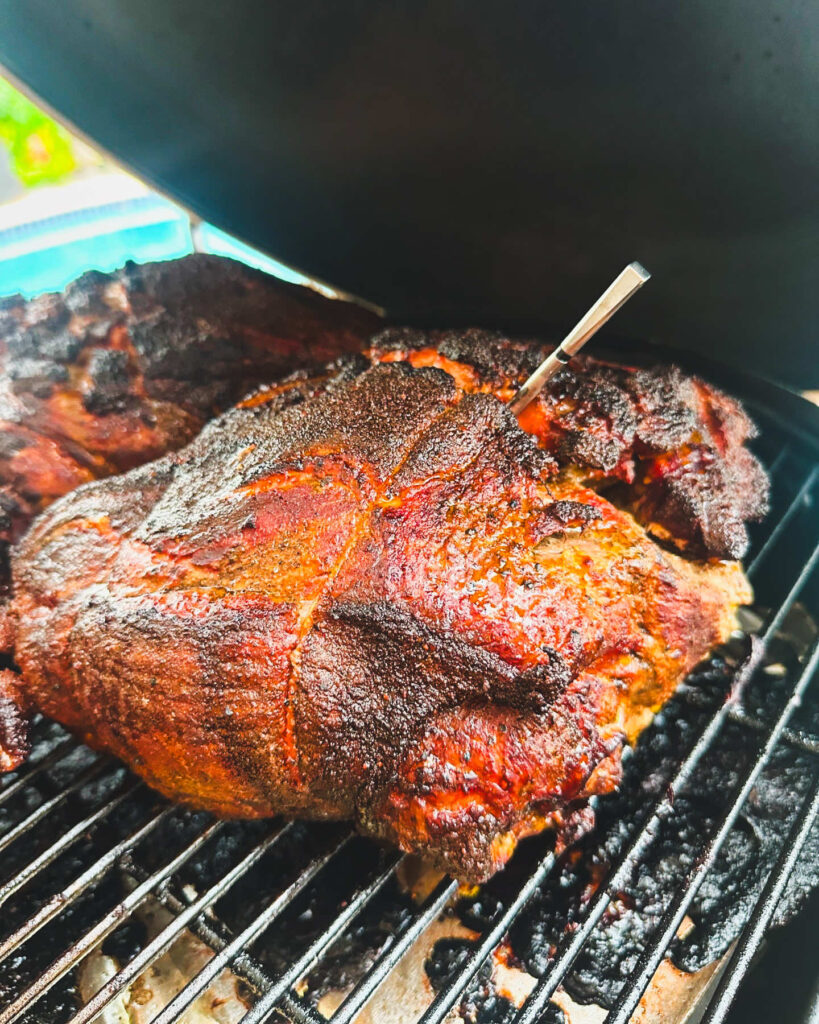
84 846
444 164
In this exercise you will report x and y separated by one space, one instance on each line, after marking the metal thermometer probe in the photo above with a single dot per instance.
618 292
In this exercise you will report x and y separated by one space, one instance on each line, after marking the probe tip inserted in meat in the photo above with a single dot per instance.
618 292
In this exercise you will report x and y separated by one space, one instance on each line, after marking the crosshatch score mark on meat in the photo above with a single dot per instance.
369 594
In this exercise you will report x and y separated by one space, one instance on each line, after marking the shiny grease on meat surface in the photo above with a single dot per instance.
369 594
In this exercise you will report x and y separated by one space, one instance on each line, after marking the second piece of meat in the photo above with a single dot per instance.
123 367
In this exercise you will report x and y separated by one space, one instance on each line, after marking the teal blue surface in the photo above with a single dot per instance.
52 269
47 255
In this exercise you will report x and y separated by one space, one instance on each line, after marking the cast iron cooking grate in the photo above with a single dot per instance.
88 854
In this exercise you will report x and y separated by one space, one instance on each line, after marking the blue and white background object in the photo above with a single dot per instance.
52 235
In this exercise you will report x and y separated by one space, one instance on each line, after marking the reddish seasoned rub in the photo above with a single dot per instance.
369 595
121 368
669 447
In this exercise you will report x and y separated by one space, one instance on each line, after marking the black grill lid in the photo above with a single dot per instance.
478 161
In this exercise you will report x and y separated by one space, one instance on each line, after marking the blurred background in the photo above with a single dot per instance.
66 208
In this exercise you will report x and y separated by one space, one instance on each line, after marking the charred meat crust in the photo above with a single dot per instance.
364 594
124 367
669 447
127 366
14 722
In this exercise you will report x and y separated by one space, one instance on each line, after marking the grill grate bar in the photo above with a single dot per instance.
755 929
773 468
652 956
104 927
47 806
568 950
156 947
763 414
297 1012
63 748
784 520
214 967
62 900
366 988
310 957
63 843
448 996
795 739
785 608
243 964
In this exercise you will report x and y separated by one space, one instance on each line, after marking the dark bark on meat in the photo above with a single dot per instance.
14 722
669 447
124 367
369 595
